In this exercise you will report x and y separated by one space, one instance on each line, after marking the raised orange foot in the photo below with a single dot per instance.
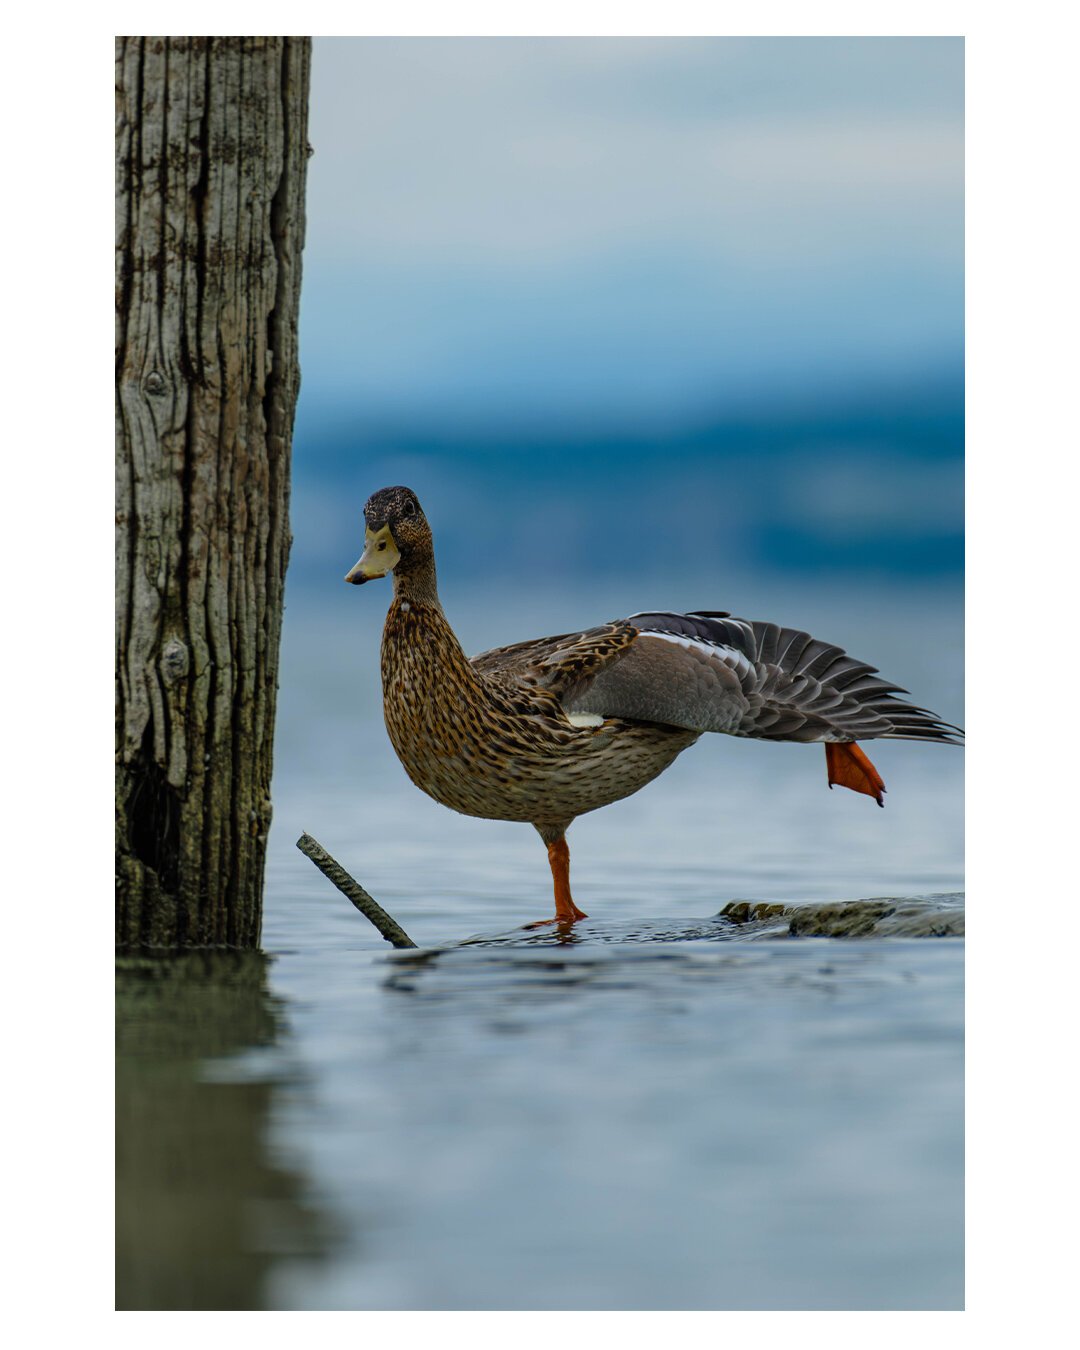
849 767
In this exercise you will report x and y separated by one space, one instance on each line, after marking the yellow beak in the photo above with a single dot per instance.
380 556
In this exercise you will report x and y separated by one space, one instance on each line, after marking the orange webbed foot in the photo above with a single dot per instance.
849 767
562 919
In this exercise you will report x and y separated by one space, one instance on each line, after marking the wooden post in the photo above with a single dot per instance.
211 157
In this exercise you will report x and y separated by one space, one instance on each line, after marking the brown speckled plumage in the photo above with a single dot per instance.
502 735
498 742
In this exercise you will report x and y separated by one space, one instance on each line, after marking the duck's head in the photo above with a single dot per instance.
397 535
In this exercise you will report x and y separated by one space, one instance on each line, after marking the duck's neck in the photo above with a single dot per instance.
417 585
422 659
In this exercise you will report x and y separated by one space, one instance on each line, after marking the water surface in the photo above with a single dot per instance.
667 1112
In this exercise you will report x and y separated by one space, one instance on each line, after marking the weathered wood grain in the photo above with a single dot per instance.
211 155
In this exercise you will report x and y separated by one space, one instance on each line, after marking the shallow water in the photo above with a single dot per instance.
666 1112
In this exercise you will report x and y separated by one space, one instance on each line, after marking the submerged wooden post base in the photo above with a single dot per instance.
390 929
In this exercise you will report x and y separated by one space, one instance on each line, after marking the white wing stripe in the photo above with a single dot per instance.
730 656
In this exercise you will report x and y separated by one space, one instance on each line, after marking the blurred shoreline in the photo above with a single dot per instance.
869 487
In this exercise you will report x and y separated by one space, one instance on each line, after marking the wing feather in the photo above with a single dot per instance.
709 671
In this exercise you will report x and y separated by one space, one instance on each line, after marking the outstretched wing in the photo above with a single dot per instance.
708 671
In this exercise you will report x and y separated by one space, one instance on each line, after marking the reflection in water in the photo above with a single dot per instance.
641 1124
202 1208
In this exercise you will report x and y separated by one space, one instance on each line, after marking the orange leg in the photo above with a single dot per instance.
850 768
566 912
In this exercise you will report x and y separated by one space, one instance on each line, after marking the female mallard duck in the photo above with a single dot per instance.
544 731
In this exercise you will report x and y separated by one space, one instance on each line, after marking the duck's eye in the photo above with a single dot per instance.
409 509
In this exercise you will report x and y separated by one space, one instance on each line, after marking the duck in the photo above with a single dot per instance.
546 730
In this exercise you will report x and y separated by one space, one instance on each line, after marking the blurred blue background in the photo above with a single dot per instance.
578 286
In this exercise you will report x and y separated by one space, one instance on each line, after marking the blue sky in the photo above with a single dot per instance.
628 232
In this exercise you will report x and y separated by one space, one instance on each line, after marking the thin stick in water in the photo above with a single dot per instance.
390 929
